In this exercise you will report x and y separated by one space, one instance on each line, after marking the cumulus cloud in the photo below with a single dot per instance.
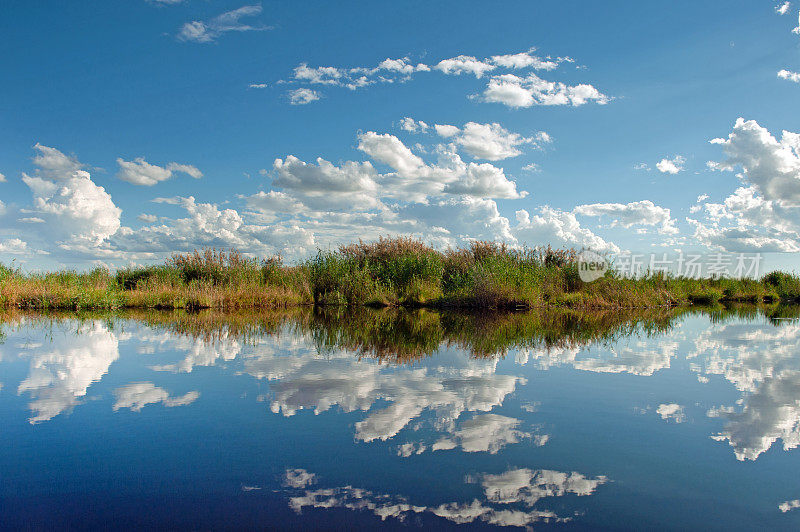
791 76
298 478
209 30
413 126
746 222
13 246
515 91
760 361
509 89
763 215
627 215
61 373
416 180
387 71
80 214
137 395
440 198
464 64
528 60
671 166
529 486
2 178
490 141
140 172
783 8
771 165
207 225
789 505
391 398
326 186
671 412
517 486
558 228
303 96
483 433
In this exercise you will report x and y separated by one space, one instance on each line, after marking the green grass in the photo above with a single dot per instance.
398 272
407 335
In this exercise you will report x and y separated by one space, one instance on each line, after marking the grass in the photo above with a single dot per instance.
397 272
408 335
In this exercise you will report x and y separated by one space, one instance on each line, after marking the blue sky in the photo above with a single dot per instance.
134 129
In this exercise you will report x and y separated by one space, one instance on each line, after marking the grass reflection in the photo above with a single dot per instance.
398 335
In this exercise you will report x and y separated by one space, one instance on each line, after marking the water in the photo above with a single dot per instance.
662 420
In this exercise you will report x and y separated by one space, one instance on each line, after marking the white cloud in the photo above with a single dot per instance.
484 181
508 89
514 91
54 165
14 246
671 412
528 60
796 30
793 504
413 126
147 218
791 76
207 225
415 180
140 172
137 395
671 166
517 486
327 187
464 64
628 215
303 96
772 166
490 141
483 433
61 373
783 8
387 71
558 228
642 166
258 86
298 478
80 214
210 30
746 222
760 360
529 486
2 178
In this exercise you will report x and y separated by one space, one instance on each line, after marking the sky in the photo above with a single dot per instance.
131 130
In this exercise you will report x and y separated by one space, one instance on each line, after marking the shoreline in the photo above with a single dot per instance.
397 272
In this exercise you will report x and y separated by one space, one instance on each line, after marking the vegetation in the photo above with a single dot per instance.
398 272
402 335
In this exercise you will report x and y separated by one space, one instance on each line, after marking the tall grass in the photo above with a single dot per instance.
389 272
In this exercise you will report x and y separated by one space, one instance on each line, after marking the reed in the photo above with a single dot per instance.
394 272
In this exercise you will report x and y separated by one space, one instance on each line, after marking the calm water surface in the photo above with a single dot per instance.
401 420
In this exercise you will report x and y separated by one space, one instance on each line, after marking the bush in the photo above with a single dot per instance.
786 285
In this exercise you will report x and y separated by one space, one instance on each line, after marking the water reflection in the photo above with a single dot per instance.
490 395
62 370
504 495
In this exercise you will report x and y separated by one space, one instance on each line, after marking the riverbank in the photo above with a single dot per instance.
390 272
